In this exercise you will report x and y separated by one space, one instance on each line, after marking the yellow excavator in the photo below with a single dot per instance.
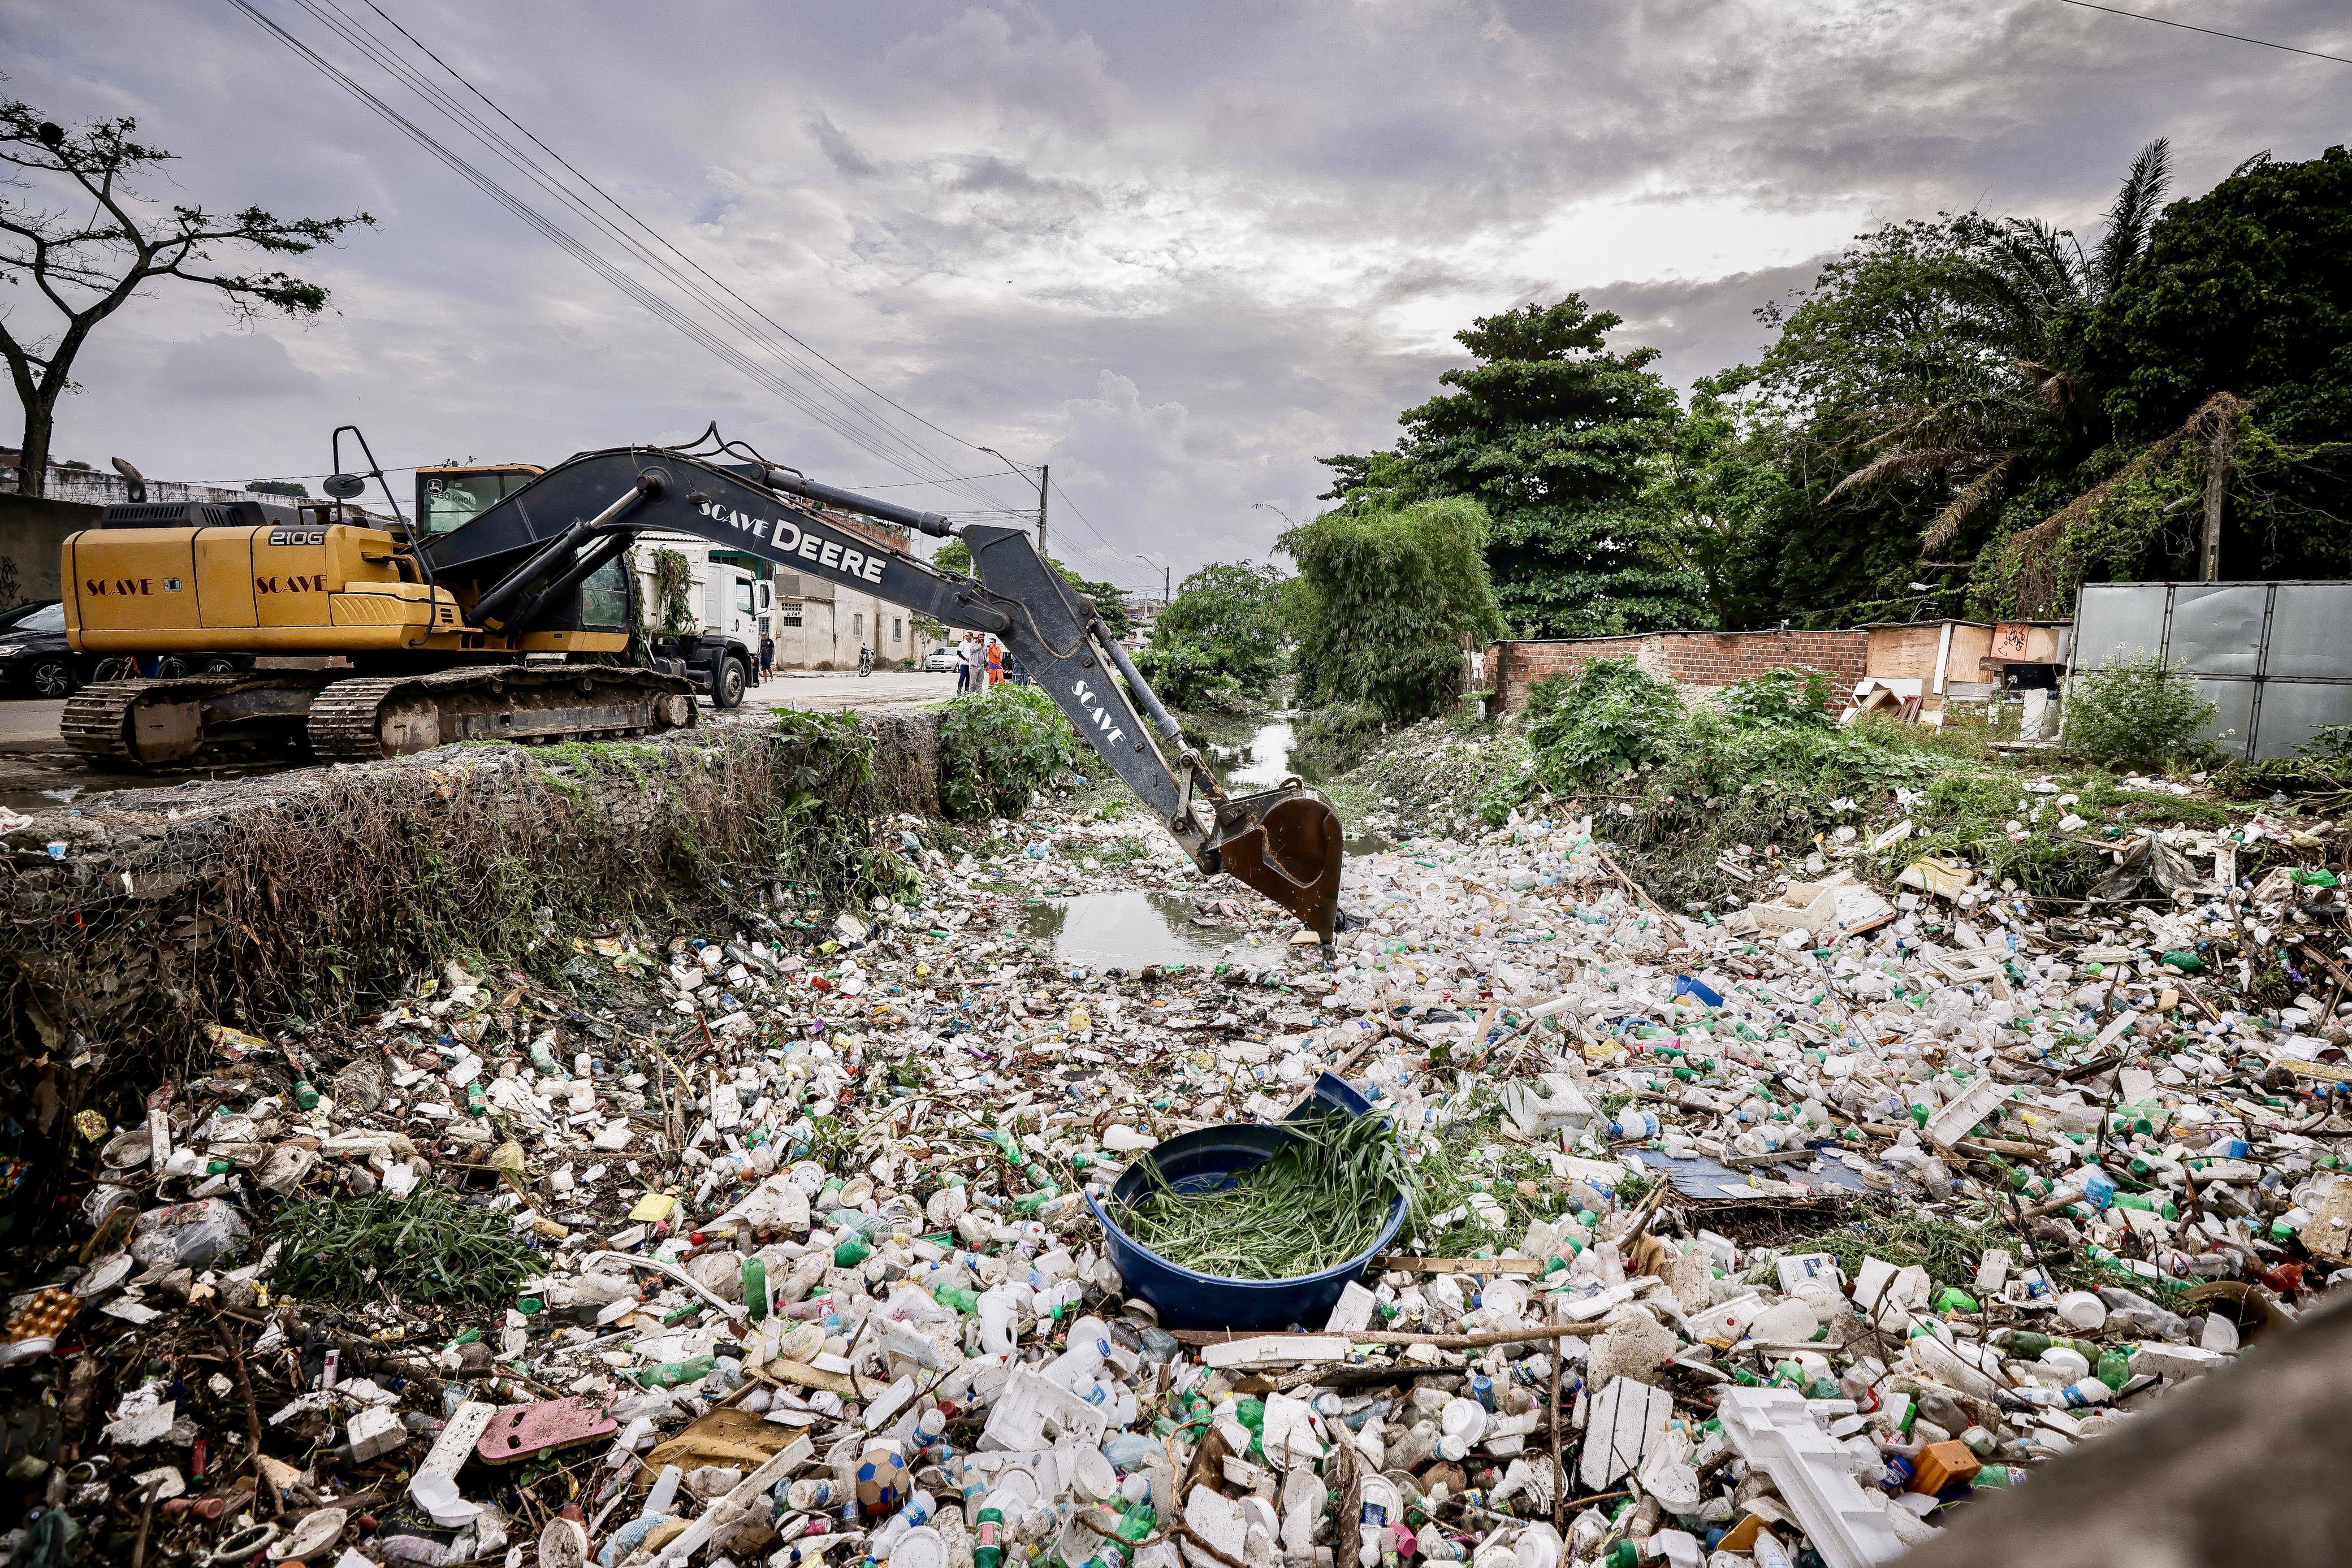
508 616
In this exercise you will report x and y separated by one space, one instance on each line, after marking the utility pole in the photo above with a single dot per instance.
2217 487
1045 477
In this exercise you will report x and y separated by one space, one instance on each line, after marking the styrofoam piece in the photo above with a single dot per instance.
1558 1105
313 1534
1219 1521
1770 1428
1626 1419
1035 1412
1352 1310
1951 1124
1807 906
1275 1350
374 1433
887 1404
1287 1437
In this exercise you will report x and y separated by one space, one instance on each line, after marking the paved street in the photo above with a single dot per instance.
831 691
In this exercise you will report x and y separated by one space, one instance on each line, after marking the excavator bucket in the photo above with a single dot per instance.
1287 845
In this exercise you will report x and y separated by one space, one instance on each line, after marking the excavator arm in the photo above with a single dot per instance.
529 554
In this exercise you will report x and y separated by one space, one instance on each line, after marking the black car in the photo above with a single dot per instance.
35 660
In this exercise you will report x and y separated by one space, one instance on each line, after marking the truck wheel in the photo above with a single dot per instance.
728 679
52 678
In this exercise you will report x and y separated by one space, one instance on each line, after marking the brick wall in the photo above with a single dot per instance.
1698 661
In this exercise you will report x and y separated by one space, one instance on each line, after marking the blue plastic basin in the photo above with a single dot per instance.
1204 1162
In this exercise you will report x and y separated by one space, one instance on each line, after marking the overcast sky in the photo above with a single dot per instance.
1176 250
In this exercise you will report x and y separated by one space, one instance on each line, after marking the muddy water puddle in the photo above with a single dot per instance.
1129 930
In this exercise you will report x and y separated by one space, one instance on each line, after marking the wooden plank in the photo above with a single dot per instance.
1397 1336
1404 1263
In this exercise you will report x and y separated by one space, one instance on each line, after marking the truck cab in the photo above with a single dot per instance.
701 617
704 610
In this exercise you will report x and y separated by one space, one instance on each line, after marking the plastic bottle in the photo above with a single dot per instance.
675 1374
985 1551
755 1290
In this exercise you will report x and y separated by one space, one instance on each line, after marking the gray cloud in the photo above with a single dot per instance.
1178 251
243 366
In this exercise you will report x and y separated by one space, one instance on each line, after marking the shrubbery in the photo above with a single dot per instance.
1612 720
1332 740
1387 598
2135 711
1785 697
997 749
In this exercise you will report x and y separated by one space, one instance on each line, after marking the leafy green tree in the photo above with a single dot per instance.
1109 599
1391 598
2246 289
2228 342
1553 433
2012 400
1219 645
1718 485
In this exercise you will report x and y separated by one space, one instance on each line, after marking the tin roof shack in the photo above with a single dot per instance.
1927 665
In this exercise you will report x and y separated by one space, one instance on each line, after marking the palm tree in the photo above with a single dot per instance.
2027 288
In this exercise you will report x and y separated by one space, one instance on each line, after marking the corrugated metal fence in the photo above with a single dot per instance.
2275 658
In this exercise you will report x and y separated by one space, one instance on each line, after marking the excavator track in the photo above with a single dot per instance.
393 716
191 721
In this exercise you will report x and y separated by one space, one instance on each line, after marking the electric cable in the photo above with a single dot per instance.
823 404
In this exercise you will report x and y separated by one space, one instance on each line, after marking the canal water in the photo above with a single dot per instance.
1134 928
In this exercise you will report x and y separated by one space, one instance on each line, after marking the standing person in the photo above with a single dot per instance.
767 657
963 666
995 663
975 664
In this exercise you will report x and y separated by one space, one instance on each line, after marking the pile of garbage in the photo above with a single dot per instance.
1724 1241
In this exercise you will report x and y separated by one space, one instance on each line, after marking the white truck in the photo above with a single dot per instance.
727 609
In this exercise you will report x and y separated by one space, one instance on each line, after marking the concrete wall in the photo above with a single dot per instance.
1701 661
103 487
32 537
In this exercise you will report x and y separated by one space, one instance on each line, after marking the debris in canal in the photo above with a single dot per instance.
705 1219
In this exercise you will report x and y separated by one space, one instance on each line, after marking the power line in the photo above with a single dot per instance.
839 419
665 244
1114 552
825 405
832 409
2209 31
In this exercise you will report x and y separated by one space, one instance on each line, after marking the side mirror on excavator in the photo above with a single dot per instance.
344 486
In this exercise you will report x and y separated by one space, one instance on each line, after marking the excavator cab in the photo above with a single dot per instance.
451 494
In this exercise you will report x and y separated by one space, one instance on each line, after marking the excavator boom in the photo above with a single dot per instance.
439 630
1285 843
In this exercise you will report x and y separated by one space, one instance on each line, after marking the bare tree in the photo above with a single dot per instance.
84 240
